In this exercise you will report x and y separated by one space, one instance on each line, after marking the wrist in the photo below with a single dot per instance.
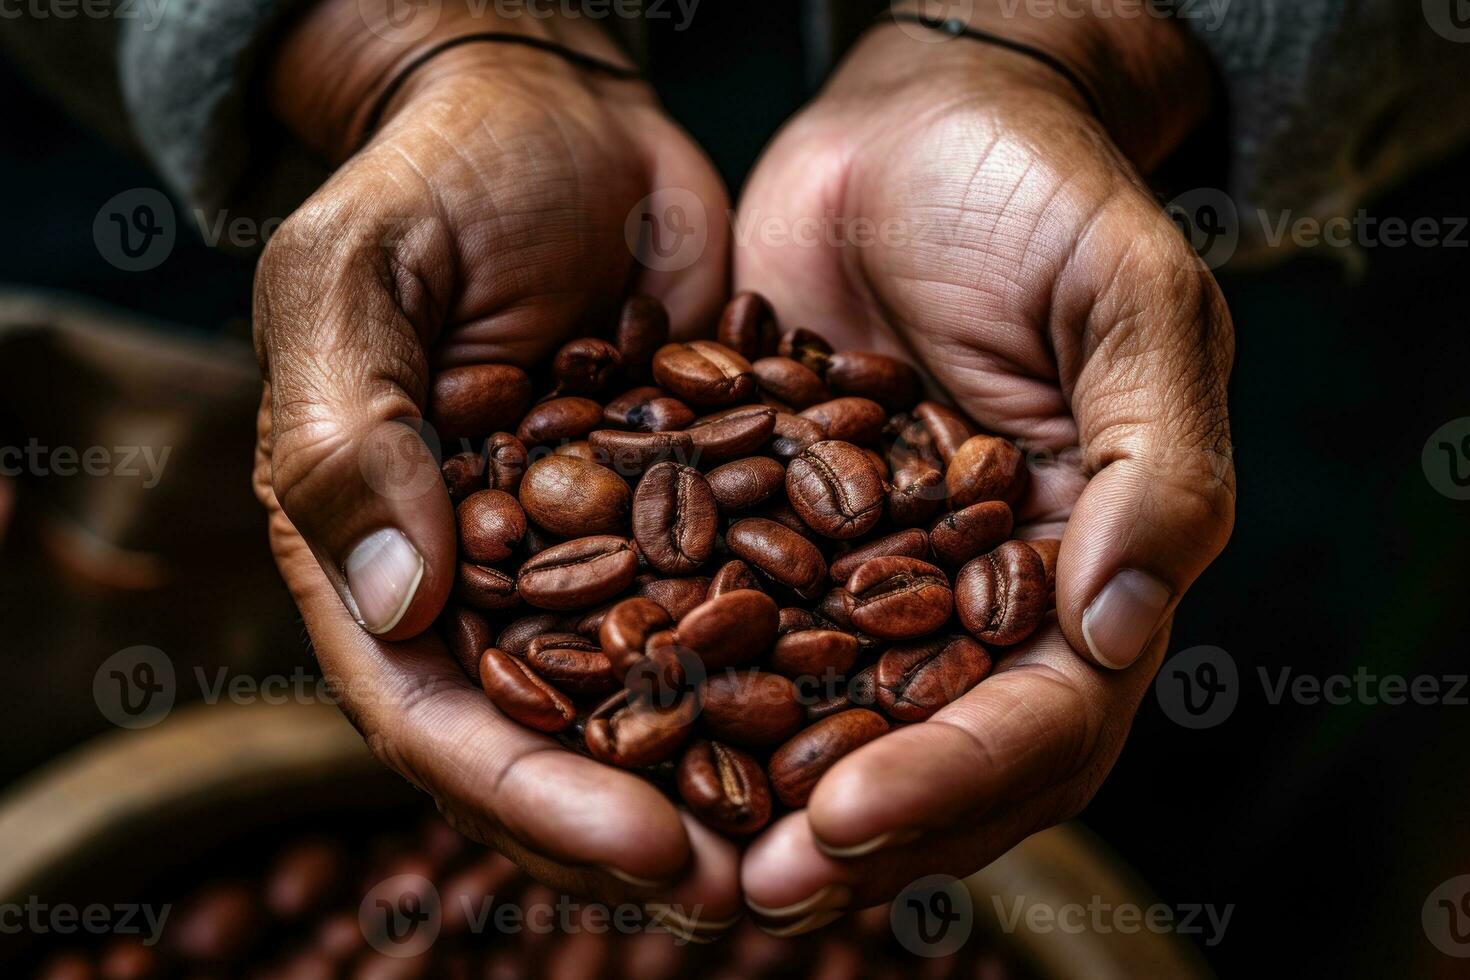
342 55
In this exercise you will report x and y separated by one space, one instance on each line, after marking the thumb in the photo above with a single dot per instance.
1150 404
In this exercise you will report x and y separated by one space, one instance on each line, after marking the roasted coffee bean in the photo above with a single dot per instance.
666 672
625 631
750 708
794 434
806 347
899 598
835 489
464 473
733 434
507 459
630 453
790 381
1048 549
579 573
702 372
917 679
643 327
486 588
491 526
724 787
676 595
467 634
862 688
552 639
586 366
517 636
126 958
629 732
575 666
794 618
748 327
778 552
1001 596
675 518
855 420
746 482
796 766
304 878
461 894
218 923
814 653
730 629
779 509
580 449
880 466
918 493
962 534
573 497
521 694
732 576
647 409
559 419
947 428
985 468
892 383
826 703
910 445
912 543
468 402
835 607
537 540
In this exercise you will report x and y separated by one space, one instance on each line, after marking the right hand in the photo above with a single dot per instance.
482 222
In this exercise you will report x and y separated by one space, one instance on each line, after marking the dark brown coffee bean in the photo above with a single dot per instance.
724 787
643 327
835 607
537 540
791 382
778 552
304 877
574 666
947 428
630 453
733 434
730 629
899 598
826 703
625 631
917 679
985 468
461 895
464 473
573 497
491 526
486 588
522 695
467 634
862 688
1048 549
879 464
732 576
647 409
892 383
912 543
814 653
855 420
586 366
794 618
516 637
126 958
748 327
559 419
835 489
779 509
806 347
473 401
552 639
579 573
507 462
910 445
794 434
962 534
1001 596
630 732
675 518
676 595
797 765
918 493
217 924
751 708
579 449
703 372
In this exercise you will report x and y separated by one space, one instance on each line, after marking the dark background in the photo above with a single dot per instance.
1326 826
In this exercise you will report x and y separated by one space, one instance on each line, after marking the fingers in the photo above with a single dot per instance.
1150 404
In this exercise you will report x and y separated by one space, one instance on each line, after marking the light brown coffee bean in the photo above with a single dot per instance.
629 732
1001 596
507 460
647 409
467 634
625 631
835 489
732 576
814 653
748 327
703 372
724 787
806 347
643 327
580 449
675 518
796 766
471 402
892 383
464 473
855 420
628 454
899 598
985 468
574 497
522 695
911 543
778 552
559 419
586 366
917 679
750 708
579 573
947 428
491 526
880 466
486 588
730 629
739 432
962 534
747 482
790 381
1048 549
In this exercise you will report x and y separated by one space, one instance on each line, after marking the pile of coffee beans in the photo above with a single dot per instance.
726 564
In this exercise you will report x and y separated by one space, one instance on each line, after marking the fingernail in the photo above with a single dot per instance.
673 919
635 881
827 898
383 573
1123 617
893 838
811 923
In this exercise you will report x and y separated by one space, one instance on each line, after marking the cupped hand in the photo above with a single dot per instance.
977 218
482 221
